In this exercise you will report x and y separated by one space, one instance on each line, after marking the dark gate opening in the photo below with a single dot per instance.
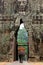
26 51
26 47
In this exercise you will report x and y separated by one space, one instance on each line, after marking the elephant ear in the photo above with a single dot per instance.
22 37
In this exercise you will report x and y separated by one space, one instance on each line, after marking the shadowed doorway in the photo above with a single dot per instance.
25 45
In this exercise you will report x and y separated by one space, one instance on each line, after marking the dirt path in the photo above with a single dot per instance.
24 63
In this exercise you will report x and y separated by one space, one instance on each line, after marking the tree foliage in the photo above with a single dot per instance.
22 36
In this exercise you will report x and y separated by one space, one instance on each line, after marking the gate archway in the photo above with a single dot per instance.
26 46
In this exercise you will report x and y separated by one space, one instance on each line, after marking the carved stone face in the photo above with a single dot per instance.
22 4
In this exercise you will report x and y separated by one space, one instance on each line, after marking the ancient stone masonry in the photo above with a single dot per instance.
31 11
